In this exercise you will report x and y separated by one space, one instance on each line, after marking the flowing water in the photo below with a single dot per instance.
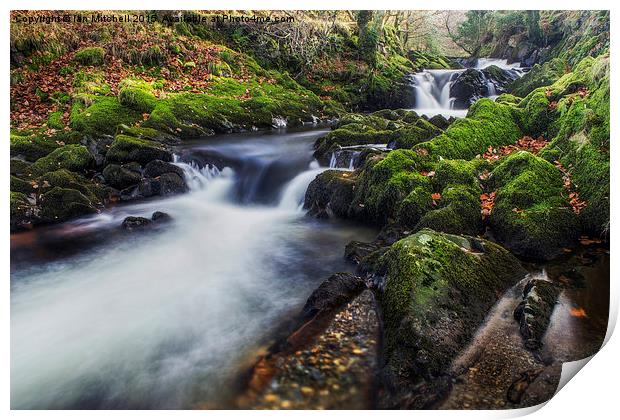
432 88
102 318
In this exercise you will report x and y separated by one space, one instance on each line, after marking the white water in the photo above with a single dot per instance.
165 319
432 88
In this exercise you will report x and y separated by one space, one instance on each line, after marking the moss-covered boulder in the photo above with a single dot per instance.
539 76
31 147
90 56
126 149
99 115
386 181
535 114
63 178
21 186
122 176
21 211
60 204
73 157
487 124
330 194
436 290
137 95
20 168
582 137
531 216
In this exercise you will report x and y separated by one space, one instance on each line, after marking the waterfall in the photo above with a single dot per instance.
168 317
432 87
293 193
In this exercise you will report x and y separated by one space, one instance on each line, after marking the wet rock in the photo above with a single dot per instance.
131 149
330 194
356 251
21 211
436 290
122 176
334 292
61 204
161 217
439 121
468 87
158 167
171 183
133 222
534 311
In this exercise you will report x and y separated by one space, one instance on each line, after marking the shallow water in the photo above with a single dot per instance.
102 318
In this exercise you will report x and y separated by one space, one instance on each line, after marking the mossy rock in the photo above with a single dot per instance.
21 168
582 140
457 211
385 182
21 186
63 178
535 116
31 147
121 177
137 95
73 157
126 149
531 215
330 193
90 56
21 211
102 116
539 76
60 204
487 124
436 291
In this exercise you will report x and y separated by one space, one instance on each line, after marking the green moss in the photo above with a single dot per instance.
487 124
454 172
31 147
21 186
60 204
539 76
438 289
54 120
384 183
102 116
507 99
458 211
20 210
90 56
138 94
535 115
582 141
73 157
131 149
66 179
531 215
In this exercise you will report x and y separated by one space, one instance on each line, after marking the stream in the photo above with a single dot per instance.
167 318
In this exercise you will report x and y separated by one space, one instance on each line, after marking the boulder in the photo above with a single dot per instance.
122 176
60 204
133 222
171 183
337 290
534 311
434 290
131 149
531 215
158 167
73 157
330 194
